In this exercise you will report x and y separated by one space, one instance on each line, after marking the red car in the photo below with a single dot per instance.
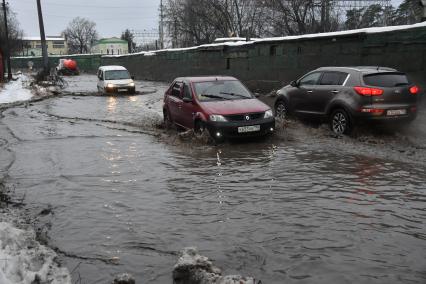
222 105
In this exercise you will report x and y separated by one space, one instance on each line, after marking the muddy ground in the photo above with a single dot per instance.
111 191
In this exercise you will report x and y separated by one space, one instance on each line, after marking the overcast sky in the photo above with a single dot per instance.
111 16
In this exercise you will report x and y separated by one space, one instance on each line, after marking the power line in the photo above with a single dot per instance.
87 13
96 6
124 16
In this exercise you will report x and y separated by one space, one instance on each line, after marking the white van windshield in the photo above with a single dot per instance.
117 75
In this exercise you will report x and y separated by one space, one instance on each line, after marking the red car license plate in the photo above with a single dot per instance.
251 128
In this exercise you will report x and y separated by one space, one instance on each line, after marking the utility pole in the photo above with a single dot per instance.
161 25
423 3
239 26
7 51
46 70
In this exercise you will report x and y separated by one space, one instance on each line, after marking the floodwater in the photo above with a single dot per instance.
123 195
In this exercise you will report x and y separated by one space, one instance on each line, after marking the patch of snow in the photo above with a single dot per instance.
144 53
192 267
149 53
222 39
23 260
15 91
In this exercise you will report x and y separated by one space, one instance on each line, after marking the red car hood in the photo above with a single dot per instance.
234 107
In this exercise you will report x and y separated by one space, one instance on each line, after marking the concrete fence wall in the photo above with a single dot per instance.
86 63
268 64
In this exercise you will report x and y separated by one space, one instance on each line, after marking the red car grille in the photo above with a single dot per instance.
243 117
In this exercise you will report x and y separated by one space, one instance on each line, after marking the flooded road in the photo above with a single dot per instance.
123 195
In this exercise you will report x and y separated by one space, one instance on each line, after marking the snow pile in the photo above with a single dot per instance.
193 268
23 260
124 278
16 91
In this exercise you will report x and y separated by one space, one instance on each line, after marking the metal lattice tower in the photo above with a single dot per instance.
359 4
146 36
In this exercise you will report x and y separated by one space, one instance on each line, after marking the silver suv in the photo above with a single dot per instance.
344 96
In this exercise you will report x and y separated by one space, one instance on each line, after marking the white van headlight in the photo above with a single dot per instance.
132 84
110 86
268 114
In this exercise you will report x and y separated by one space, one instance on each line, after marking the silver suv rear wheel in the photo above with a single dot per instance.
340 123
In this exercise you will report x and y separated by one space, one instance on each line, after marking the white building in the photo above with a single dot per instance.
111 46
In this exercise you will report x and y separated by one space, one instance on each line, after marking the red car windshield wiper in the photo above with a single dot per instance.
214 96
236 95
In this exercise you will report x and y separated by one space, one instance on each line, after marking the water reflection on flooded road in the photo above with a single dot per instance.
128 196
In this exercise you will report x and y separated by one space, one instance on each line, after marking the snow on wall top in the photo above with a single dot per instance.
348 32
286 38
223 39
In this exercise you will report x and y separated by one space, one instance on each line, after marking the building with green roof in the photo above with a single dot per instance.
111 46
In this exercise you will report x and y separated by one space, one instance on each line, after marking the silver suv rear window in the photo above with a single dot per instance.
386 79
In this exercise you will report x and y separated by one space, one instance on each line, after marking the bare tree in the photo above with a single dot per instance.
364 17
80 35
190 22
410 12
15 32
294 17
248 17
194 22
128 36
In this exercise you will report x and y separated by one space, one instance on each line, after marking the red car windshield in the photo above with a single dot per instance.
221 90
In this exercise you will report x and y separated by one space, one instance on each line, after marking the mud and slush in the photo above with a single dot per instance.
112 192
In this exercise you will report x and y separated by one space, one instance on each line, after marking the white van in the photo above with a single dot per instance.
115 79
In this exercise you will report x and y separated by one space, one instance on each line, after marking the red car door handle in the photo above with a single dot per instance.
310 92
335 91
